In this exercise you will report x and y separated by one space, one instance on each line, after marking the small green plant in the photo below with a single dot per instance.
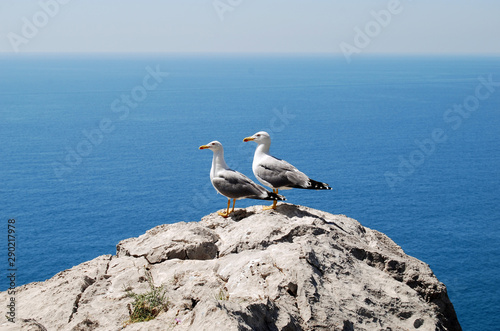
148 305
222 295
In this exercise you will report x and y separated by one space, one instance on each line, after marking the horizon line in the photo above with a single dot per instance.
320 53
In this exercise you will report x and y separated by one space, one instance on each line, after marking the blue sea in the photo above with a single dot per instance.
95 149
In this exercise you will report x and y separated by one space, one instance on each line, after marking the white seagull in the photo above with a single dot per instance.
232 184
276 173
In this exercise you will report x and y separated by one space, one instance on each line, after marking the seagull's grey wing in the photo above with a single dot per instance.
280 173
235 185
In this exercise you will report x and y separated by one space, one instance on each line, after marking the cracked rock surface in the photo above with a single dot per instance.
294 268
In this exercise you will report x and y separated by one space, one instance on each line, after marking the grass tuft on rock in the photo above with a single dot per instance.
147 306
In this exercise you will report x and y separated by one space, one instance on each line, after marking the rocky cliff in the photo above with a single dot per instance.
293 268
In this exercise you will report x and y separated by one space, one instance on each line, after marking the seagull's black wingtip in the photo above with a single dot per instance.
315 185
275 196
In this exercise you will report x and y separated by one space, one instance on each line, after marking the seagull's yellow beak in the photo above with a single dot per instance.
249 139
204 147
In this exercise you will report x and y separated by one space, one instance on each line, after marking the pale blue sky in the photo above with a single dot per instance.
425 26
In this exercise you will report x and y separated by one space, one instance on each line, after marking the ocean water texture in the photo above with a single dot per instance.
99 148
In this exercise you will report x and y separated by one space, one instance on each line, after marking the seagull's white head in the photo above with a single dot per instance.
214 146
261 137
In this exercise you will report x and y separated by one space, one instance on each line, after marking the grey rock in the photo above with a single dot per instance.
293 268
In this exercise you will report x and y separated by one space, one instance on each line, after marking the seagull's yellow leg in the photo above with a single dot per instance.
274 202
234 202
226 214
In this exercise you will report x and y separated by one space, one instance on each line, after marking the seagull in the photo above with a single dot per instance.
233 184
276 173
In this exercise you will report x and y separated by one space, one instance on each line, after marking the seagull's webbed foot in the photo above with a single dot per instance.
227 213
